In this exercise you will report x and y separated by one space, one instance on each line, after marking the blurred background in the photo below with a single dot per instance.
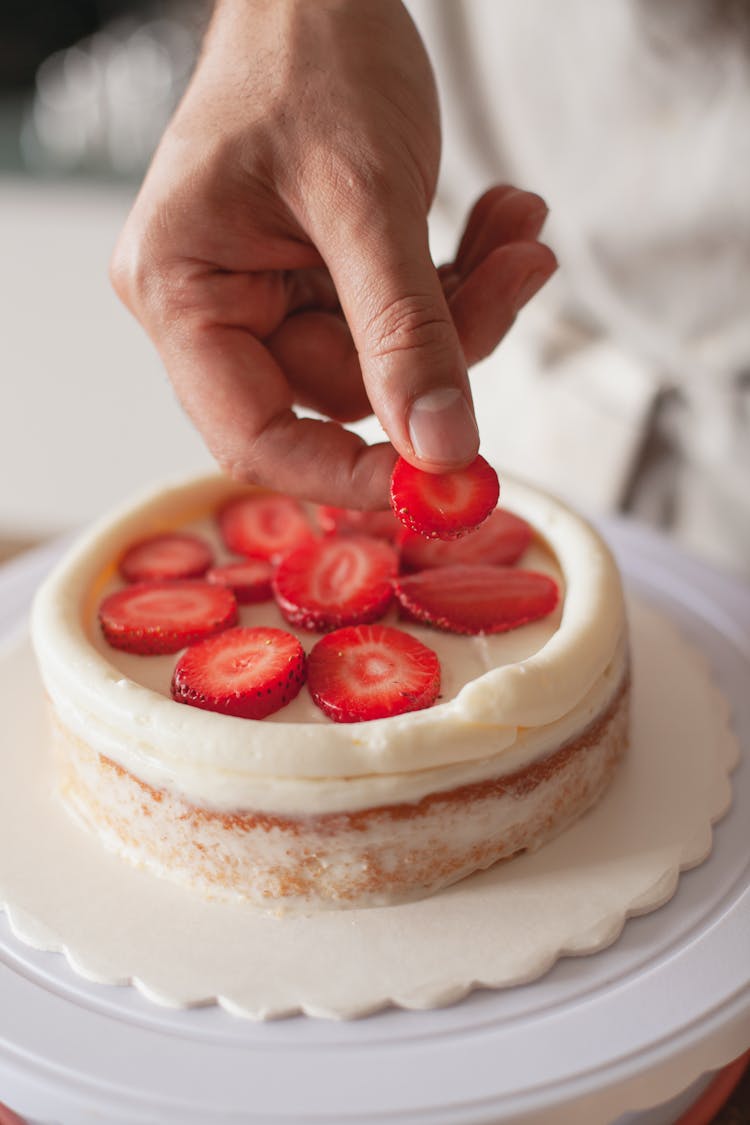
88 85
86 88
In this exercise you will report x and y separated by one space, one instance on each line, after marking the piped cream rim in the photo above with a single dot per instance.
126 719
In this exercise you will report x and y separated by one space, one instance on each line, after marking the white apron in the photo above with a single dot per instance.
626 385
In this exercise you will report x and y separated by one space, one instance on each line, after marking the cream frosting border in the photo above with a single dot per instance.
232 762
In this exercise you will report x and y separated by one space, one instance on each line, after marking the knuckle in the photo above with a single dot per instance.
145 278
234 470
238 468
248 457
124 272
132 271
119 273
408 324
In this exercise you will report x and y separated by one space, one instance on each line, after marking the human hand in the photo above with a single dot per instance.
277 252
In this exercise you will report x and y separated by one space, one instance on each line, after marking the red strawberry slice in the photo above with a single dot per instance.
500 541
245 672
171 555
249 580
371 672
335 582
152 618
443 505
349 521
476 599
264 525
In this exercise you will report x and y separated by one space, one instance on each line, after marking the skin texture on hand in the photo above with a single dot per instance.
277 252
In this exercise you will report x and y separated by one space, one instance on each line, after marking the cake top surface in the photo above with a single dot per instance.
492 686
462 658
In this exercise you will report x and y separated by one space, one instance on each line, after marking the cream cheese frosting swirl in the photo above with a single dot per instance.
527 693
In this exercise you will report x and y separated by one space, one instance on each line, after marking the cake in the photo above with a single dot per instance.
296 810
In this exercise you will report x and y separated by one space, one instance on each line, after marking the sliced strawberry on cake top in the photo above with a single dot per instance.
444 505
499 541
476 599
152 618
249 580
245 672
264 525
350 521
372 672
170 555
342 580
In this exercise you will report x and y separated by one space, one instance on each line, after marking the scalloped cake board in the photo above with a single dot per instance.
117 924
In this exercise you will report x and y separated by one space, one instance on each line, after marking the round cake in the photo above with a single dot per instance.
296 810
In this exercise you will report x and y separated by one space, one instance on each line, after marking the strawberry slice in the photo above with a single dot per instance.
443 505
349 521
264 525
171 555
249 580
499 541
152 618
371 672
335 582
476 599
245 672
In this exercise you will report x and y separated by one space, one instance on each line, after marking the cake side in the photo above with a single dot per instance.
366 857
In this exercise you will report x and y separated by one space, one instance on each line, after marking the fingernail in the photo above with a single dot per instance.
442 427
529 287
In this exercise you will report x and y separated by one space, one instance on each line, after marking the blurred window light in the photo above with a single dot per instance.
101 105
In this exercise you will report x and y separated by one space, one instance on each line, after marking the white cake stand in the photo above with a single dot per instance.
597 1038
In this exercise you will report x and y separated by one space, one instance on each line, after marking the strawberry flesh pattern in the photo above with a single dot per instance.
372 672
343 582
249 580
336 582
476 599
499 541
264 526
245 672
153 618
443 505
171 555
348 521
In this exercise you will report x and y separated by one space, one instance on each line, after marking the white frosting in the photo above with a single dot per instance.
506 699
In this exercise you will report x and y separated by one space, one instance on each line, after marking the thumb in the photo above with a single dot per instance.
411 359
